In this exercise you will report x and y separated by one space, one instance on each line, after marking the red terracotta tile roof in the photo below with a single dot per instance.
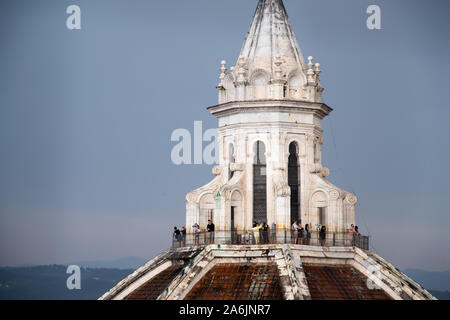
339 283
239 281
155 286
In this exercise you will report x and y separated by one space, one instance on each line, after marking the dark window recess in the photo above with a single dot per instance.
232 218
260 184
322 217
294 183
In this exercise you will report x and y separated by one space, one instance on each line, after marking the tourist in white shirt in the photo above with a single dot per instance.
294 232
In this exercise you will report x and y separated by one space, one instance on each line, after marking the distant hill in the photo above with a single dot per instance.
124 263
49 283
438 281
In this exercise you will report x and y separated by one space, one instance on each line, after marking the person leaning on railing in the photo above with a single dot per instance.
196 229
323 235
300 234
356 236
294 232
183 236
265 232
351 233
177 236
210 228
247 238
307 235
255 231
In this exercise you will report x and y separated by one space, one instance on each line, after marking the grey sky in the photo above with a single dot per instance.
86 118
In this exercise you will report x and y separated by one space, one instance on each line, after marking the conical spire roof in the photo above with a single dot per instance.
270 35
270 65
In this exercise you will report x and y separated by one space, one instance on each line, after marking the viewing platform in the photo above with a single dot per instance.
331 239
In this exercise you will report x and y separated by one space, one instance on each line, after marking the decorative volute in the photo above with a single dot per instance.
270 65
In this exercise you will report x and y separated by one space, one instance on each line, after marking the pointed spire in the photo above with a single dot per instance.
271 35
271 65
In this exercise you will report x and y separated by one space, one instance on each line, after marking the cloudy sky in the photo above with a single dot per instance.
86 119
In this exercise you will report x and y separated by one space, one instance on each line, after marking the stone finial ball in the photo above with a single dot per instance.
223 62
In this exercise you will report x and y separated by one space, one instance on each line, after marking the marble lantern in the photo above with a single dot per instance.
270 138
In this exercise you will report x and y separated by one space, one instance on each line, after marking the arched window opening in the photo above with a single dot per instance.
294 182
236 212
320 205
259 184
207 208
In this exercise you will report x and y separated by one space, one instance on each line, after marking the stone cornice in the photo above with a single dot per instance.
304 128
319 109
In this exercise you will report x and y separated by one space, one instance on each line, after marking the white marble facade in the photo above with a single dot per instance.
273 97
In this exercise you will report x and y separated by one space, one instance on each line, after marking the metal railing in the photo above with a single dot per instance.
331 239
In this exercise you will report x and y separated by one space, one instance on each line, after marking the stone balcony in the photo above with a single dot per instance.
332 239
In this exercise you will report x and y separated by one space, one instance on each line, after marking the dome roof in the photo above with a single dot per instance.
267 272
